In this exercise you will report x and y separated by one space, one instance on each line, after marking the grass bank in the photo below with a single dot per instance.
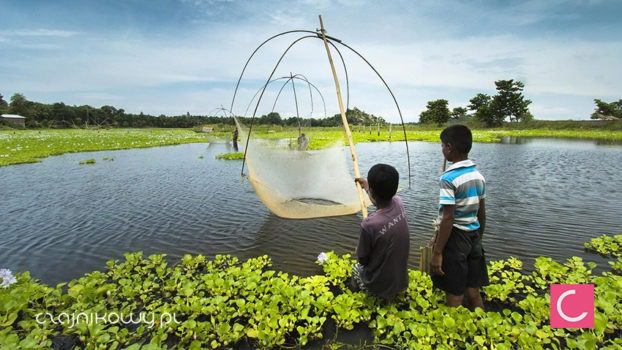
29 146
323 137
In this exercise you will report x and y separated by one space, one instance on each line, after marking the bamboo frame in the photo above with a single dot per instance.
344 119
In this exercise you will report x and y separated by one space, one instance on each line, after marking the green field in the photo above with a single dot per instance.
322 137
28 146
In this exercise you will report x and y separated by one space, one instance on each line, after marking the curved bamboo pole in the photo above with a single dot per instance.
344 119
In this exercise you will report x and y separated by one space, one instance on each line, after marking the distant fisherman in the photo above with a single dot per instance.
235 139
303 142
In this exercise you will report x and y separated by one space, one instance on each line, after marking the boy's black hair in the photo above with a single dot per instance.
459 136
383 179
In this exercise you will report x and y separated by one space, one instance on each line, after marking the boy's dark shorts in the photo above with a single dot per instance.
464 263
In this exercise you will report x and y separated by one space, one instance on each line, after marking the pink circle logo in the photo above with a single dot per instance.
572 306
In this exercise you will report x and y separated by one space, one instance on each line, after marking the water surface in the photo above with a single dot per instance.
61 219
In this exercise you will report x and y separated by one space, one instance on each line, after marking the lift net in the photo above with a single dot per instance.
301 184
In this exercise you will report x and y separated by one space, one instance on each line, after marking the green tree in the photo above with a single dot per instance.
271 118
482 108
606 110
459 113
357 116
479 101
4 106
510 101
436 112
19 105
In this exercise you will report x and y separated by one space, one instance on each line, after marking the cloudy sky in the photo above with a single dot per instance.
172 57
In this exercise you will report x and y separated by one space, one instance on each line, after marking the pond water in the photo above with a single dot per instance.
61 219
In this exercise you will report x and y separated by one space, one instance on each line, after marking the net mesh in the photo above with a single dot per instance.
301 184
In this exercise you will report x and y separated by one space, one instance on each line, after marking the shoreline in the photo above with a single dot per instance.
31 146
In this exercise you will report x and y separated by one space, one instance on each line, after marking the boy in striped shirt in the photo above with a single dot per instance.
458 264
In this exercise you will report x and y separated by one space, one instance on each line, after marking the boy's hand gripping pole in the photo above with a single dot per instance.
346 126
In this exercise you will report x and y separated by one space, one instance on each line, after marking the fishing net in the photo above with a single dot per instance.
301 184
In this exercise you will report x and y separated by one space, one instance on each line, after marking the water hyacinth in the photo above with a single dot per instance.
5 272
7 278
322 258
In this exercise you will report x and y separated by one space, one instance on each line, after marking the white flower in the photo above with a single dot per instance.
7 281
7 278
322 258
5 273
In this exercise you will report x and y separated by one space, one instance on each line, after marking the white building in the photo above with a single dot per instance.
14 119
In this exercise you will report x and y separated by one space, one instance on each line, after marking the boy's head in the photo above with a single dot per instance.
383 180
457 141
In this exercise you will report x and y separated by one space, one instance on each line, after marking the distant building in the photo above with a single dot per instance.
14 119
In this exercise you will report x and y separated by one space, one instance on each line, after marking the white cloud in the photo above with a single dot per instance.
287 18
40 33
421 57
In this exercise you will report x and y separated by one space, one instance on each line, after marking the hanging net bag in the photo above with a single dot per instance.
301 184
306 184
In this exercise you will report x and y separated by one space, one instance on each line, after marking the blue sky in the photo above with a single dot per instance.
173 57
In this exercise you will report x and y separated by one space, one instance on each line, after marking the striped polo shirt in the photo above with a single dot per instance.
462 185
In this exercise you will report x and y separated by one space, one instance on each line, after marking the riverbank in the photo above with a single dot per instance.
29 146
222 303
606 131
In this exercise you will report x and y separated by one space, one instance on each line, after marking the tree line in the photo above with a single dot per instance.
508 103
60 115
354 116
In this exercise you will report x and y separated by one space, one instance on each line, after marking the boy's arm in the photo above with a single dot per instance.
363 248
363 182
447 221
481 217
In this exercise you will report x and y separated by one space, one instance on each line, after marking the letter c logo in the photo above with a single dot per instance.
561 312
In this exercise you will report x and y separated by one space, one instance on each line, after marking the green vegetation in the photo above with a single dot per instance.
87 161
28 146
201 303
60 115
493 111
231 156
4 105
324 137
437 112
610 247
606 110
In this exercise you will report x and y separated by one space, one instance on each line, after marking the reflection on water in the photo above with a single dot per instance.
61 219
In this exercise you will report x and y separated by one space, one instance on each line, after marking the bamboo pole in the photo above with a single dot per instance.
346 126
426 251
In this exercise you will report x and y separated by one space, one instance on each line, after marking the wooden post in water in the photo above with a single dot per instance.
344 119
